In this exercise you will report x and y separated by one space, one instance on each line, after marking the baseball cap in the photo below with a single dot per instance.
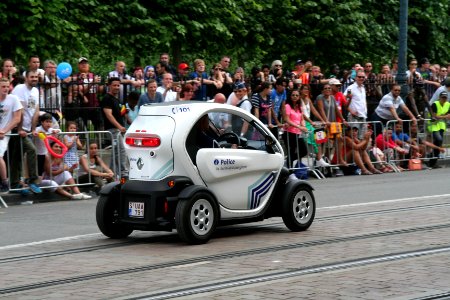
239 86
334 81
183 66
299 62
81 59
443 94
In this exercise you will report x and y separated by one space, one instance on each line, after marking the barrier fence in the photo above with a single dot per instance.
371 144
22 166
411 142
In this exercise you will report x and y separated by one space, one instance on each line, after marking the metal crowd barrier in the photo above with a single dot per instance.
419 132
392 159
85 136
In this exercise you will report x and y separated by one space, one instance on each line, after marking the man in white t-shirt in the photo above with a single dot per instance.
357 104
33 65
167 90
125 79
10 113
28 95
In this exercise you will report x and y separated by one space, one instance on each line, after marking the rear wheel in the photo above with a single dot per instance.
107 215
196 218
299 209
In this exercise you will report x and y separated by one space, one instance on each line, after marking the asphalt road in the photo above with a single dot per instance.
64 220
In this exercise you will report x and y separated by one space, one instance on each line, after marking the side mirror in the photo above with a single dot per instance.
269 145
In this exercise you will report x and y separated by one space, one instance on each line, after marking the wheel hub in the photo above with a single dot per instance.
202 217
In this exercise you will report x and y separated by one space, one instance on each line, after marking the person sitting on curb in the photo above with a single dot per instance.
93 169
355 150
56 171
385 142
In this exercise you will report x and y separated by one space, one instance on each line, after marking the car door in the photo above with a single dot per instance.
241 178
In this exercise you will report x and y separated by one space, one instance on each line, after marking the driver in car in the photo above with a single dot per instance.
208 136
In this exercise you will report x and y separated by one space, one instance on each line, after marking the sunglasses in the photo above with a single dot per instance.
364 77
327 88
278 65
218 69
295 95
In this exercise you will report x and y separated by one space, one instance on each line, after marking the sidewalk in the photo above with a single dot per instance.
17 199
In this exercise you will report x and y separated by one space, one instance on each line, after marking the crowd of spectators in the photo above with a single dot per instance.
293 102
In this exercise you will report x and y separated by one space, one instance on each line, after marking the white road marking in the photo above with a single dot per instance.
69 238
385 201
191 265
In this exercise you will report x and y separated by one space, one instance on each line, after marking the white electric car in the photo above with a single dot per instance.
195 166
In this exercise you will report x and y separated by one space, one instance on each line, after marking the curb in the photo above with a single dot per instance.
12 199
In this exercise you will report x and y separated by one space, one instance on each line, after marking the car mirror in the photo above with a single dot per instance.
270 143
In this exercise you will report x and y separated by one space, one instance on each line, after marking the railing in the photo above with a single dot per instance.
419 143
86 137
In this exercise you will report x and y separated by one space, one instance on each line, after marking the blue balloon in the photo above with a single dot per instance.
63 70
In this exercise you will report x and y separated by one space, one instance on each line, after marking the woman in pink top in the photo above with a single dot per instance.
295 127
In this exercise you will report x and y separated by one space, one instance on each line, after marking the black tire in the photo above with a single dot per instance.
107 215
299 209
196 218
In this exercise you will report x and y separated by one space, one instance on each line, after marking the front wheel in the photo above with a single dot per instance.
107 215
299 209
196 218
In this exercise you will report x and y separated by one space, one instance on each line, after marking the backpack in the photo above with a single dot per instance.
302 172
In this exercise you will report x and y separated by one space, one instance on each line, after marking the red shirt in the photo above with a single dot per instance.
384 144
340 101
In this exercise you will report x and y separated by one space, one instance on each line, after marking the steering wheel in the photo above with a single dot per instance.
230 138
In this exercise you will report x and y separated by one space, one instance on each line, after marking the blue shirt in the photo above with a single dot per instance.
200 93
400 136
277 100
144 99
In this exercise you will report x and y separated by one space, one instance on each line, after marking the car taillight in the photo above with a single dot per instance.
143 141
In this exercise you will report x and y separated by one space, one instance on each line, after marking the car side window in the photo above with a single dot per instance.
255 138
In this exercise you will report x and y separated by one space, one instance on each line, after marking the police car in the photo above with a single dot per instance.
195 166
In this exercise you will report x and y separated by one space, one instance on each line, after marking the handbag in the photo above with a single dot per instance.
414 164
320 136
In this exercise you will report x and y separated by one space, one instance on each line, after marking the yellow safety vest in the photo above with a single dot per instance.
441 110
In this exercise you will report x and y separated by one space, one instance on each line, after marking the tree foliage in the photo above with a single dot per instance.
250 31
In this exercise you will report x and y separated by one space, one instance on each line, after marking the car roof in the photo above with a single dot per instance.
189 109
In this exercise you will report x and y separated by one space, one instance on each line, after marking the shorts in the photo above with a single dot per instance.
49 185
61 178
4 145
334 131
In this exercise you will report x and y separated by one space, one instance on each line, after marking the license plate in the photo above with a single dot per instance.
136 209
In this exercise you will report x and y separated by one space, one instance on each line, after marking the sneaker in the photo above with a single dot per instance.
292 177
4 188
77 196
35 188
85 196
322 163
24 192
